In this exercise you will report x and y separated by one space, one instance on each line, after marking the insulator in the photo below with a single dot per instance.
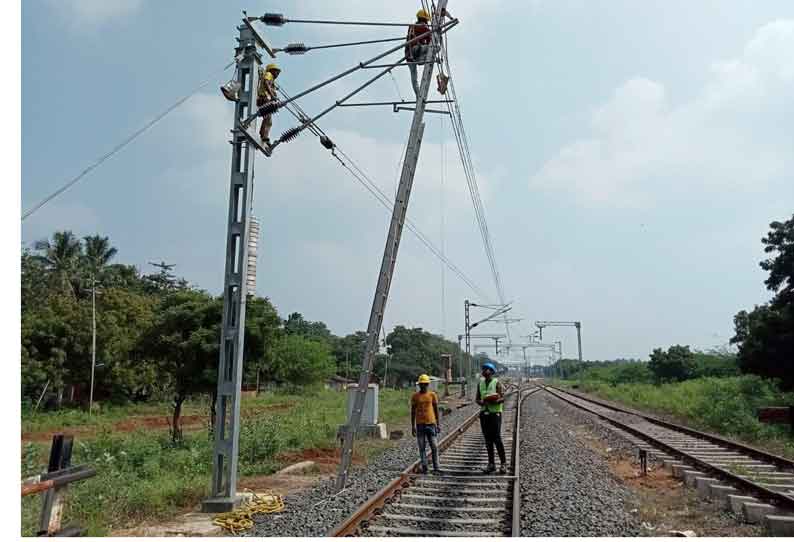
296 49
327 143
269 108
273 19
291 134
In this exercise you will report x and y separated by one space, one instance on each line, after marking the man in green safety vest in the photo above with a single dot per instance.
491 399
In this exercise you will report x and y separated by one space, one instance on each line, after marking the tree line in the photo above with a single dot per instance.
764 336
157 335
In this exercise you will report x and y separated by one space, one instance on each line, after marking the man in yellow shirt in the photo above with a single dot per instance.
424 422
265 93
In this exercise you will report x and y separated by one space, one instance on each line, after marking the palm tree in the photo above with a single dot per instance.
97 255
60 258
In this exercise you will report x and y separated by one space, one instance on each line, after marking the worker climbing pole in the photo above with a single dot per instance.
392 246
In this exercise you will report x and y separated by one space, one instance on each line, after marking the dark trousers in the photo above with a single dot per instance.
491 425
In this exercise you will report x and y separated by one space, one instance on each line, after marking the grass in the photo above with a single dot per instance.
727 406
142 476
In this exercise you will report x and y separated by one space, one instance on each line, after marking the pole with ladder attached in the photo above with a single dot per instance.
223 494
389 258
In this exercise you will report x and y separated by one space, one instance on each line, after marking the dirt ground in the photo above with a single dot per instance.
190 422
664 503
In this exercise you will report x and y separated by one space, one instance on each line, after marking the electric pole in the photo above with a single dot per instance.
93 343
223 493
390 251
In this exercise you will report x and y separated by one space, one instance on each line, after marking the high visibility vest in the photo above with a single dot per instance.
487 389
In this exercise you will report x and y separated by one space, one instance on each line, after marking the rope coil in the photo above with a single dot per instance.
241 520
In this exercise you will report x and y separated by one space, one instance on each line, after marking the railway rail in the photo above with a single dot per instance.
461 501
736 468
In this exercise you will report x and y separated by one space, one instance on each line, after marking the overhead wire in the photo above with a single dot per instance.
364 179
129 139
453 107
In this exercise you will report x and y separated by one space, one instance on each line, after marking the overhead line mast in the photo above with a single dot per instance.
390 252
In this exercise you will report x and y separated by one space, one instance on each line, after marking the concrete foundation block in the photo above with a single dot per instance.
669 464
779 525
720 493
755 512
690 476
735 503
703 486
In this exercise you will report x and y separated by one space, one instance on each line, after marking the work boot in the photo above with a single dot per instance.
489 469
502 469
424 469
437 471
267 148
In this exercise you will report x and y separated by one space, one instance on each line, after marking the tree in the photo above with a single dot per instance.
780 241
301 361
97 253
675 365
60 259
262 331
184 343
765 335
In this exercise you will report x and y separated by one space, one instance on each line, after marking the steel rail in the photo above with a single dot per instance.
385 496
777 460
743 482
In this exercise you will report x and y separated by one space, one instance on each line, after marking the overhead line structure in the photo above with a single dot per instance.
578 325
390 253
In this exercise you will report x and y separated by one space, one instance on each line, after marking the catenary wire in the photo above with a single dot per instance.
121 145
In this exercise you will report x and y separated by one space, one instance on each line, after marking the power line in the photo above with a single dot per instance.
121 145
375 190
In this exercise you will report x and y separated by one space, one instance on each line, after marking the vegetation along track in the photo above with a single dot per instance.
695 455
461 501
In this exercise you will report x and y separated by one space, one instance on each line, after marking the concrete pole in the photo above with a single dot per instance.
579 339
93 344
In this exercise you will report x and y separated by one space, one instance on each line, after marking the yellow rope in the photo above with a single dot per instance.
241 520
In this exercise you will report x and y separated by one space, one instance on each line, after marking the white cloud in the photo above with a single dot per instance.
91 13
641 146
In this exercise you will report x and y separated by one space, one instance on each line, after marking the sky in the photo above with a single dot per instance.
630 156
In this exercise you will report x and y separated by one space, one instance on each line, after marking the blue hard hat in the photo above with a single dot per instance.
489 365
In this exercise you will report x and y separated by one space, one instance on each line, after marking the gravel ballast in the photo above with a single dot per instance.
313 512
566 488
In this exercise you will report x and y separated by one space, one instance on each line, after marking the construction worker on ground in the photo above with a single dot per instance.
265 93
424 421
419 50
491 399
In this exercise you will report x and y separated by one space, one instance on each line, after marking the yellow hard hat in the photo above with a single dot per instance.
423 14
271 67
423 379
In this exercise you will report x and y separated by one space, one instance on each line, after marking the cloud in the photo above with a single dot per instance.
641 147
82 14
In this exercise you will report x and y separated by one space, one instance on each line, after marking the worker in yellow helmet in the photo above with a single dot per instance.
417 52
424 422
265 93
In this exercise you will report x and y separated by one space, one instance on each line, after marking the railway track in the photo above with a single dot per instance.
753 483
461 501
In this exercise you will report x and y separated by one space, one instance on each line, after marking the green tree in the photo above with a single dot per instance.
765 335
60 258
301 361
97 253
262 331
184 342
675 365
